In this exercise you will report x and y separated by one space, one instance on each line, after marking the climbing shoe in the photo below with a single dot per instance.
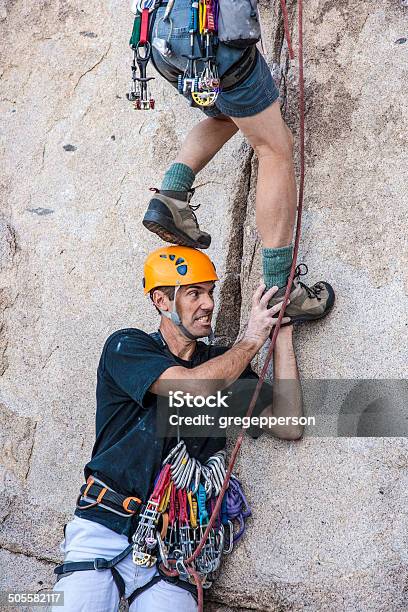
171 216
306 303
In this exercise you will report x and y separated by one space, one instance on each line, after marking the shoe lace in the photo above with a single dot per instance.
192 207
312 292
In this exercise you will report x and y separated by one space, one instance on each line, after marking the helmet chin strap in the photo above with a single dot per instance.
175 317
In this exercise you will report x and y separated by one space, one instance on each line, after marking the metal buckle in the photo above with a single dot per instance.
100 563
127 501
180 566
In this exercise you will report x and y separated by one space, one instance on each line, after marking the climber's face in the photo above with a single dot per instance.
195 305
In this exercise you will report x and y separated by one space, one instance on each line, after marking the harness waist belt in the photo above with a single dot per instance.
239 71
96 493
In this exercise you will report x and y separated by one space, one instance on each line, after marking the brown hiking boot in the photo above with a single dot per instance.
306 303
170 216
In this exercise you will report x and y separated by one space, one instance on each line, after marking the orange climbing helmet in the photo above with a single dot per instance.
174 266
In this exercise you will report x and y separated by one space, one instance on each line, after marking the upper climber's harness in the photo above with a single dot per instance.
172 521
200 86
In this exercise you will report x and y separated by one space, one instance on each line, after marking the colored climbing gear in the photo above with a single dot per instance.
236 507
202 88
139 41
177 514
210 21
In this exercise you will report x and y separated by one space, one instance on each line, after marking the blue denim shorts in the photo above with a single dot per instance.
251 96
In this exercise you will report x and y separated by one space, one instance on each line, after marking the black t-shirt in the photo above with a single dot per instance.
127 453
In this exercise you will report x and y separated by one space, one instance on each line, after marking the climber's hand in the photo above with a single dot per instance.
261 319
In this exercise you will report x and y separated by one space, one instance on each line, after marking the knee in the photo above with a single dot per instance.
281 148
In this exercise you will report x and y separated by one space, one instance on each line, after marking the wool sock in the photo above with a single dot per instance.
178 177
276 265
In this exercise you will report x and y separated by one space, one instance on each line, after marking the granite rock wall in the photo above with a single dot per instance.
329 515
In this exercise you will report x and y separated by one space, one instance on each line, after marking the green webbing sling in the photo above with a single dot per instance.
135 37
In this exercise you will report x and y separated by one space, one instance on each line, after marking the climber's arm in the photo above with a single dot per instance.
221 371
287 390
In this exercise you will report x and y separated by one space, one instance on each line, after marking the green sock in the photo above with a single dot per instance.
178 177
276 265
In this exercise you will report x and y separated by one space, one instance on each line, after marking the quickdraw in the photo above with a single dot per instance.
139 92
177 514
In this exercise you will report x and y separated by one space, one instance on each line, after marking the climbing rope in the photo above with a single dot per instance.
217 507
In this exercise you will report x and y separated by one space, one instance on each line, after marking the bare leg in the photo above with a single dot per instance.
276 187
204 141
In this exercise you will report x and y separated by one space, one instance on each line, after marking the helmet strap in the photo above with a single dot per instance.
175 317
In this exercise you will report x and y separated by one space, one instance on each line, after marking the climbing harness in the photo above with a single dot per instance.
97 493
200 80
139 92
173 520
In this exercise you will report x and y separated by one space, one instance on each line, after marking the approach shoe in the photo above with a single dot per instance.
171 216
306 303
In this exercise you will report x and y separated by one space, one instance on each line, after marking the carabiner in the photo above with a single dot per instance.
228 550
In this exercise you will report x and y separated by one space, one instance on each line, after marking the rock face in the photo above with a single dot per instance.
329 527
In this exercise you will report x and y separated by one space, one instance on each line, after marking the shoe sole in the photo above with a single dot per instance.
165 228
309 318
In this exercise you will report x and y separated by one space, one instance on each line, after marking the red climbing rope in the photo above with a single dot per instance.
262 376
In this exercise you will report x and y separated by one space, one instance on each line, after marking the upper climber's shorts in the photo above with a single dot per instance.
251 96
